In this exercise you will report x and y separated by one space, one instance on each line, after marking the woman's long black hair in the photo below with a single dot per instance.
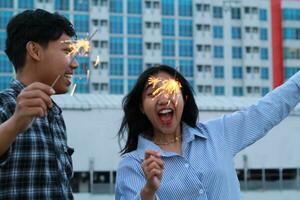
135 122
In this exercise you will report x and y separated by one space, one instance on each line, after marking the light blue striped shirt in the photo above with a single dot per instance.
205 170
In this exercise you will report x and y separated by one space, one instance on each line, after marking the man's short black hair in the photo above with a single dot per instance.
33 25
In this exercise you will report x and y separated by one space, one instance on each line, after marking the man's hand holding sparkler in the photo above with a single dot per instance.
33 101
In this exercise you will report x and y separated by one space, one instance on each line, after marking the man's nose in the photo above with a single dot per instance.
74 64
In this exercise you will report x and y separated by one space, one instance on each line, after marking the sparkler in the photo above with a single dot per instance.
73 90
169 87
97 61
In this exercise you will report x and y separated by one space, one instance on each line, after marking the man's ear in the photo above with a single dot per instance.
34 50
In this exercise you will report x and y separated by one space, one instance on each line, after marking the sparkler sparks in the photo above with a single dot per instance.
170 88
97 61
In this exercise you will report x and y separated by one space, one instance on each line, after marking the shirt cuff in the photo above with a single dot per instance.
5 157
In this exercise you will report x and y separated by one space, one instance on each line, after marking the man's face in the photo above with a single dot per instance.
56 64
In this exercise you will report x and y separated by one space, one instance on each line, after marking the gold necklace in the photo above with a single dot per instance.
175 140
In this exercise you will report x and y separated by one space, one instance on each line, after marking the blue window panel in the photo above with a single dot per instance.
116 24
291 33
236 32
264 91
290 71
219 90
264 34
5 65
27 4
291 14
264 73
217 12
263 15
168 27
168 47
191 83
116 86
131 84
186 28
5 82
82 85
135 66
6 4
2 40
80 5
134 6
62 4
116 66
83 63
4 18
116 45
264 54
218 71
81 23
186 48
238 91
237 72
135 46
218 52
169 62
218 32
134 25
237 52
116 6
186 68
185 7
167 7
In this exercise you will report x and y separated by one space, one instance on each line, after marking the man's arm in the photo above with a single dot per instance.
33 101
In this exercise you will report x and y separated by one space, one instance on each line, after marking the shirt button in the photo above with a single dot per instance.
201 191
186 165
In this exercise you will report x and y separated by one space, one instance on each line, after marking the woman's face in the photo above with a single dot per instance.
162 109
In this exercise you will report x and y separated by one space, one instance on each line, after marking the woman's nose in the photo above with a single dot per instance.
163 99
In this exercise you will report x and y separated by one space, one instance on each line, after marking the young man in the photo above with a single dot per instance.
35 161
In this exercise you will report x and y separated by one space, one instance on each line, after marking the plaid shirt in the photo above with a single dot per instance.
38 164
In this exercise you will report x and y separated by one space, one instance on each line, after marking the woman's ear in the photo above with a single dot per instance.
34 50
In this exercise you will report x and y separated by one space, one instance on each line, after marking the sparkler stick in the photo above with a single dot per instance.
54 82
73 90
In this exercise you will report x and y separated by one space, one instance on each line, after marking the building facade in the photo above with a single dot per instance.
222 47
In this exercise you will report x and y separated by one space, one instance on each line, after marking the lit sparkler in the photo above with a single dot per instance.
73 89
170 88
97 61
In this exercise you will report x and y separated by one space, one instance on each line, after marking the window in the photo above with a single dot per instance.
5 66
290 71
291 53
169 62
185 28
2 40
237 91
168 27
186 48
291 33
264 54
5 81
168 47
217 12
263 15
116 66
27 4
168 7
131 83
134 25
237 72
218 71
116 45
186 68
185 7
218 52
134 6
81 84
80 5
6 4
84 62
291 14
116 86
116 24
235 13
264 34
219 90
135 66
218 32
116 6
135 46
81 23
4 18
237 52
264 91
264 73
236 32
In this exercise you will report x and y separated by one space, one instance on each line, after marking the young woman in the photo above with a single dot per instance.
170 155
